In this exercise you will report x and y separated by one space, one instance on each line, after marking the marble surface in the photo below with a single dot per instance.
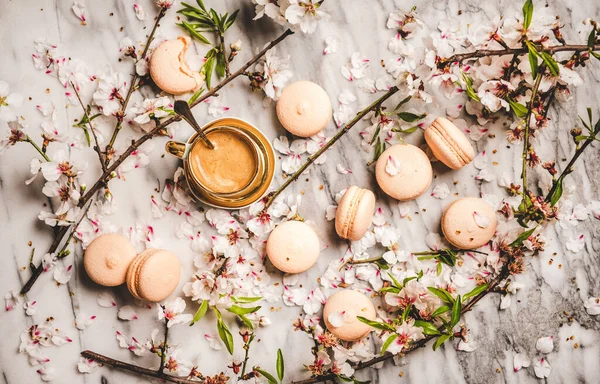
552 304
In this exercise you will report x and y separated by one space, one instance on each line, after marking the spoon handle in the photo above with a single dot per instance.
183 109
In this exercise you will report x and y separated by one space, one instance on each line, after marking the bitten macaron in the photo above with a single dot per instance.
293 247
169 69
403 171
153 275
354 213
449 144
469 223
303 108
341 311
107 259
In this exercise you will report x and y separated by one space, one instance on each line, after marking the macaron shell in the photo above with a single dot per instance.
355 213
134 271
293 247
350 304
158 276
304 108
107 259
460 227
169 69
449 144
414 176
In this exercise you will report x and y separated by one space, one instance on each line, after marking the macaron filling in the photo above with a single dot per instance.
451 144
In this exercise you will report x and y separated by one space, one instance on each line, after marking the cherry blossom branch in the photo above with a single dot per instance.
37 148
333 140
536 87
36 272
163 348
89 124
226 57
109 173
512 51
121 113
135 369
504 273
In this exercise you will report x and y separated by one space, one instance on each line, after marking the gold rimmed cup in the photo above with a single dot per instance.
237 176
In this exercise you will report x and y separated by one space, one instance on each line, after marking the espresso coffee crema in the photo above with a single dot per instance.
229 167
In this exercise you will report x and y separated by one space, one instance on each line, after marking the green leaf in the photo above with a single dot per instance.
595 54
376 133
388 342
550 63
439 268
280 365
246 321
428 328
442 294
86 133
220 68
440 310
533 62
556 195
201 5
225 335
406 280
410 117
456 308
440 340
522 237
592 39
375 324
231 19
200 312
241 310
406 312
245 300
390 289
519 109
196 35
207 69
469 84
404 101
195 96
527 14
267 375
408 130
396 282
475 291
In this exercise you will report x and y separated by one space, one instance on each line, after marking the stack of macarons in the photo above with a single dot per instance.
110 260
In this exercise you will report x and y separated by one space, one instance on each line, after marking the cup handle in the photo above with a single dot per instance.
176 148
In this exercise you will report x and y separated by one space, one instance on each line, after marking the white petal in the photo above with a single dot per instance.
83 320
481 220
542 368
127 312
441 191
592 306
87 365
213 341
62 275
344 171
346 97
106 300
520 361
336 319
330 212
139 12
544 344
481 161
392 166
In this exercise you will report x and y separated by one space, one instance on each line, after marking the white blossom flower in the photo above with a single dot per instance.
44 56
356 67
109 94
406 332
491 94
72 70
172 312
275 72
61 165
7 102
306 14
131 344
147 110
29 307
269 8
293 153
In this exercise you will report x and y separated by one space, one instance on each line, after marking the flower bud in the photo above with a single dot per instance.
237 46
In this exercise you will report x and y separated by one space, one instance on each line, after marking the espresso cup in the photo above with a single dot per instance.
238 174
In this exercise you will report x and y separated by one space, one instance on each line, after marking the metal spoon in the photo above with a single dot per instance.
183 109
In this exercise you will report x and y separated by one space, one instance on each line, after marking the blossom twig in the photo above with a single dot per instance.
36 272
163 347
135 369
37 148
132 88
108 174
504 273
534 92
89 123
333 140
512 51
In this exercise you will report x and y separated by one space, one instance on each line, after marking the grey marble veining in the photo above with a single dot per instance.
551 304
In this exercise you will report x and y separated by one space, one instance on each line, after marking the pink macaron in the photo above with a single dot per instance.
304 108
341 311
449 144
469 223
169 69
153 275
354 213
404 172
107 259
293 247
